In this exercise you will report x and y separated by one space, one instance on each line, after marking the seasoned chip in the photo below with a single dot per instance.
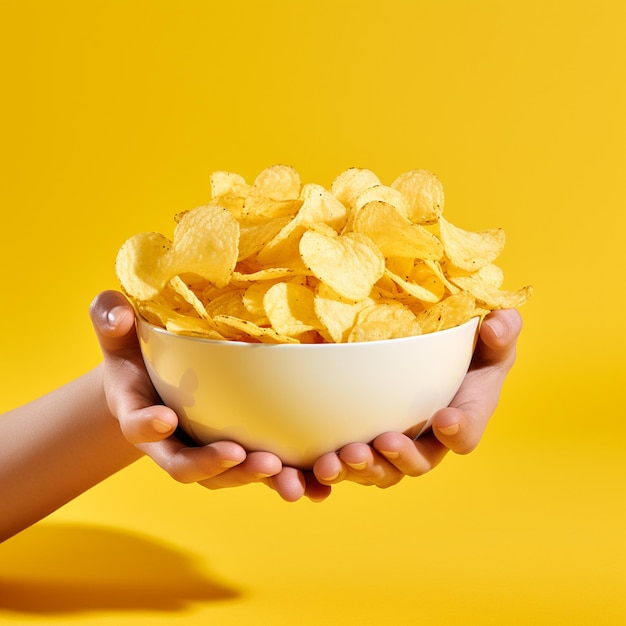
470 250
394 234
423 193
484 285
143 265
351 183
447 313
350 264
277 261
290 309
337 314
384 320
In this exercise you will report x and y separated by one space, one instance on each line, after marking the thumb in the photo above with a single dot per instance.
113 319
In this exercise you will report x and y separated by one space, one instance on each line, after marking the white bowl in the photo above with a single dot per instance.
300 401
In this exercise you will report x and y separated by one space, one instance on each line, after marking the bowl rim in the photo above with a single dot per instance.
140 320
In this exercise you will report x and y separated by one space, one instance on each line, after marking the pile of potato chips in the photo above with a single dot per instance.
278 261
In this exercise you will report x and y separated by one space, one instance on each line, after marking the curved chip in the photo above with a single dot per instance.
350 264
394 234
423 193
470 250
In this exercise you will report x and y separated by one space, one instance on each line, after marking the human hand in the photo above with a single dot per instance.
151 426
458 427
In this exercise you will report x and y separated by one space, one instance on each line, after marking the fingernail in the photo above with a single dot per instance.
497 328
357 466
161 427
260 475
226 463
390 454
449 430
114 315
333 477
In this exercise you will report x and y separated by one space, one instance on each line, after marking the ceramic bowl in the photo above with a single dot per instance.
300 401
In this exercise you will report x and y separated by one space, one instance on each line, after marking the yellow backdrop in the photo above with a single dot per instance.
113 116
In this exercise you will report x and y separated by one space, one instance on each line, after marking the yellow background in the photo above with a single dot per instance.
113 116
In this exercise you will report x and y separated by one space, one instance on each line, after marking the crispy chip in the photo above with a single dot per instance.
337 314
394 234
484 285
143 265
423 194
264 335
277 261
290 309
350 184
469 250
447 313
350 264
384 320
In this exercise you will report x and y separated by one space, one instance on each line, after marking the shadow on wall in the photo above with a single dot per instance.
56 569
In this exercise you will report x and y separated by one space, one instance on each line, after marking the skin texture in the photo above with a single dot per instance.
62 444
459 427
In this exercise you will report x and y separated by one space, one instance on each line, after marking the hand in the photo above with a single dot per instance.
459 427
151 426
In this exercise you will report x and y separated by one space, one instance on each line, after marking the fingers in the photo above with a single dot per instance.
382 464
189 465
498 338
461 426
149 424
113 320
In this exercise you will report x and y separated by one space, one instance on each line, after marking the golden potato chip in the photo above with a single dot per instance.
318 207
484 285
452 311
244 327
182 325
350 264
206 242
394 234
384 320
280 182
143 265
188 294
282 262
470 250
290 309
337 314
383 193
254 236
414 289
228 184
350 184
423 193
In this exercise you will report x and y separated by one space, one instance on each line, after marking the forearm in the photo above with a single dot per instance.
55 448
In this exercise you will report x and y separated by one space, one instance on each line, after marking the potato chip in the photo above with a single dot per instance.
423 194
470 250
484 285
290 309
383 193
228 184
279 182
189 295
277 261
414 289
337 314
450 312
264 335
206 242
350 264
384 320
351 183
394 234
143 265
